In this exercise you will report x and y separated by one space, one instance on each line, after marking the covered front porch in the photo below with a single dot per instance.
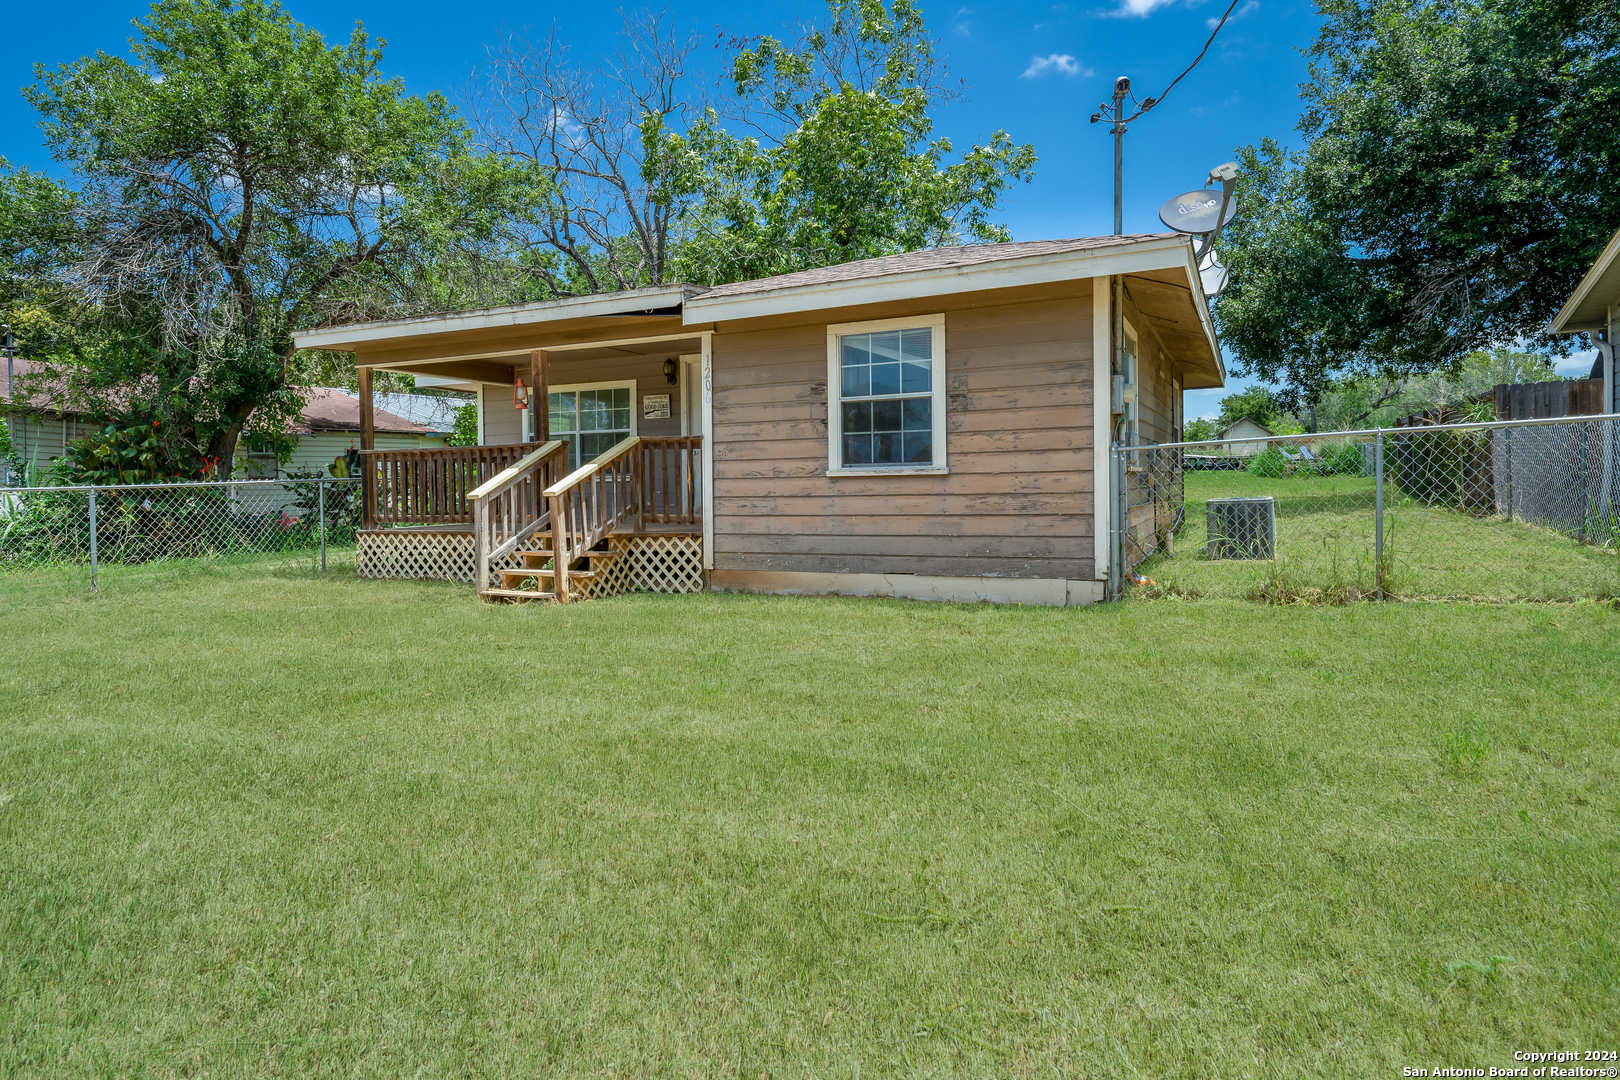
589 476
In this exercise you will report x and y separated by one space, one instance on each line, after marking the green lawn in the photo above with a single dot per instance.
258 824
1325 541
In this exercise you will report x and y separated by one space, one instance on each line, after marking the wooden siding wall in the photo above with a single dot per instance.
1016 503
1155 390
504 424
39 440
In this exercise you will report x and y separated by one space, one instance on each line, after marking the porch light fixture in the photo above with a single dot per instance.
670 370
520 395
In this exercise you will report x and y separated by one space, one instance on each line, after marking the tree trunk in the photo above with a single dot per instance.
223 448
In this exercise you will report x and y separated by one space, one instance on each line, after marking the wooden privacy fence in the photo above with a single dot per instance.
429 487
1546 400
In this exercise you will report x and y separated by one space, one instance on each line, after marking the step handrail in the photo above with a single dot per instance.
586 505
514 472
593 466
521 518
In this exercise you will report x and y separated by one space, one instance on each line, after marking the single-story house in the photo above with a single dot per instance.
1244 428
933 425
39 433
1594 309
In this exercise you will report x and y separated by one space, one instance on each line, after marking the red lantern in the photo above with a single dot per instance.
520 395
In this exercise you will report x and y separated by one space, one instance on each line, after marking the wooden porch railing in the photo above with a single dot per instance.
617 489
428 487
509 508
671 471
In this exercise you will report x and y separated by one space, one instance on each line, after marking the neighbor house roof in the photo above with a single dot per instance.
338 410
1244 420
435 412
34 399
1588 306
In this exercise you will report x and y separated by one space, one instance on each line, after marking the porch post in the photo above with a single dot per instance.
368 441
368 427
541 420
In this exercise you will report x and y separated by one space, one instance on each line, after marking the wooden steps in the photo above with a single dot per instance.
517 594
537 568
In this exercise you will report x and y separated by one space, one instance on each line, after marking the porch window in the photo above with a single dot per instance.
592 417
886 396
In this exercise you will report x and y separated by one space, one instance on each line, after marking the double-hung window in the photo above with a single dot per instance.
592 417
886 383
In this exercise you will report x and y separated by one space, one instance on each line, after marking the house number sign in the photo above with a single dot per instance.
655 406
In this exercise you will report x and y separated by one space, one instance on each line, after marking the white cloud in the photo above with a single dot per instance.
1213 21
1060 63
1141 9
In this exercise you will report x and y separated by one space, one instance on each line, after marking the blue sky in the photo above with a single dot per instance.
1037 70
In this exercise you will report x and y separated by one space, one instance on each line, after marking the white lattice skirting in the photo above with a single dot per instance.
404 554
665 564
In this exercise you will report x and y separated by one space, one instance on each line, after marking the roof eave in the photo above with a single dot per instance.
1584 311
1156 254
632 301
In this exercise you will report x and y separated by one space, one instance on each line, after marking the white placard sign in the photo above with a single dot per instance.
655 407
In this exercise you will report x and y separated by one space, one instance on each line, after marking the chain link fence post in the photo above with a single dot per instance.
1116 560
321 500
95 585
1378 516
1507 440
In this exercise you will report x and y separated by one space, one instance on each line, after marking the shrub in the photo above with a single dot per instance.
1270 463
1343 459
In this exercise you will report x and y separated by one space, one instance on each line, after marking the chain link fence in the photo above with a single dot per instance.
1519 510
99 526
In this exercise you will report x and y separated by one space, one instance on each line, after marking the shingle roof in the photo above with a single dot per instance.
437 414
335 410
36 397
939 258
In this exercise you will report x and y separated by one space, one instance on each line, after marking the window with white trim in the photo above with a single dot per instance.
592 417
886 396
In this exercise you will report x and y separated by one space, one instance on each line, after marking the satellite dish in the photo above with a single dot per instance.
1194 212
1212 274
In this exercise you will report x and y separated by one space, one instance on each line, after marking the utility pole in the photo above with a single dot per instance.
1122 89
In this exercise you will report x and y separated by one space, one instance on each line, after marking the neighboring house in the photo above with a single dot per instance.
39 433
1594 309
931 425
327 429
1247 429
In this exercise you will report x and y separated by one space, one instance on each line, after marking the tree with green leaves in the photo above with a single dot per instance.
830 154
1456 181
1257 403
235 179
822 151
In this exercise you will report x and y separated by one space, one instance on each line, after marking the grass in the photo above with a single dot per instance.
1325 542
281 823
